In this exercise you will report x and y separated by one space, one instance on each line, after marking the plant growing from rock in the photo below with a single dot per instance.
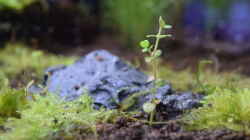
199 76
153 52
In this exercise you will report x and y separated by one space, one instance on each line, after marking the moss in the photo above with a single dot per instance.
226 104
225 108
16 57
11 101
48 115
186 79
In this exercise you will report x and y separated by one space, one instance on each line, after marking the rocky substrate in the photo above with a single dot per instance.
110 81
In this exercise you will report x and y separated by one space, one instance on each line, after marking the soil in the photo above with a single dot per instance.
133 129
125 130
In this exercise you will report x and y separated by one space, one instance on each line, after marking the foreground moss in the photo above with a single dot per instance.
226 104
226 108
47 115
11 101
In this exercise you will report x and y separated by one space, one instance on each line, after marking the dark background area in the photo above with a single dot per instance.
203 29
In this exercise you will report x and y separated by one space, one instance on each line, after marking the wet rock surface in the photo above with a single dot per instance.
109 81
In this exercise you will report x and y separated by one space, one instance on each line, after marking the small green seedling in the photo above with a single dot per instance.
152 49
153 54
200 83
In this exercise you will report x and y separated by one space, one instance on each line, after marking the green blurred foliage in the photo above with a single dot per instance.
16 57
15 4
134 18
187 79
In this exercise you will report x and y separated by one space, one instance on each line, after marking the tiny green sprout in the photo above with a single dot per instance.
162 22
153 54
199 75
167 26
145 44
152 49
149 107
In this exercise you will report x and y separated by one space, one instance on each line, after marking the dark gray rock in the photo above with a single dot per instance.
182 101
100 73
109 81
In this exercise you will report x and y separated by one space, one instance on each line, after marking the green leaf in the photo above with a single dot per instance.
145 44
158 53
149 36
168 35
162 22
167 26
162 36
149 107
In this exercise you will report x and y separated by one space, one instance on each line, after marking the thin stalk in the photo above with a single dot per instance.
157 40
151 119
155 71
155 66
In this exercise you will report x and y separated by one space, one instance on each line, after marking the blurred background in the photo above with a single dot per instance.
217 30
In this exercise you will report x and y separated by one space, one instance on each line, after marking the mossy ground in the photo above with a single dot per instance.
16 57
226 106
